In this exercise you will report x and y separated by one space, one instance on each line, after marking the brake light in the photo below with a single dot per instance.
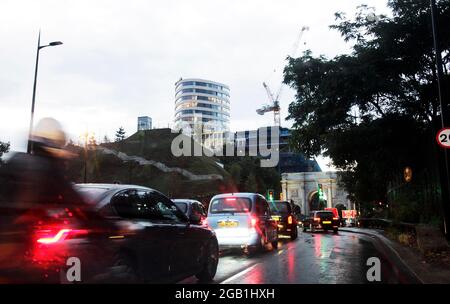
48 237
253 221
230 199
317 219
335 218
289 219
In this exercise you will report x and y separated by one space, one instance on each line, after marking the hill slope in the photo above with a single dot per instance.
145 158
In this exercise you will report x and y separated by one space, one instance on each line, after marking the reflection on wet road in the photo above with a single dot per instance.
319 258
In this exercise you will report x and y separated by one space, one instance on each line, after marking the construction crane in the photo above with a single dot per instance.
274 105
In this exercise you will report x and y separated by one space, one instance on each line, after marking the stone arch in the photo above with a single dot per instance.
313 201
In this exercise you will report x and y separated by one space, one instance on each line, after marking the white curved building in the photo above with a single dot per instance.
203 105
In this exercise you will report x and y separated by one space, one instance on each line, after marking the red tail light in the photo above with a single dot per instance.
53 236
59 236
317 219
289 219
335 218
253 221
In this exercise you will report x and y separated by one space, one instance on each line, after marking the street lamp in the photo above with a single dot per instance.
86 136
39 47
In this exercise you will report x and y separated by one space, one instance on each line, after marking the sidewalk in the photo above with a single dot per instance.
412 259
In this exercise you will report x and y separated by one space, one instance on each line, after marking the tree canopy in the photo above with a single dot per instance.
120 134
375 110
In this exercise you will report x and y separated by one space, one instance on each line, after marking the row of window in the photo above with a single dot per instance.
184 91
200 105
192 119
209 113
205 98
188 105
203 84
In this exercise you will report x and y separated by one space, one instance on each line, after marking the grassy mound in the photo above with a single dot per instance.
152 145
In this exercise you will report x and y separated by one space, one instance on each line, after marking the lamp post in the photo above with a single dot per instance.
444 159
39 47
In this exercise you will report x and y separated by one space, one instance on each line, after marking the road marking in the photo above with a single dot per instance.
239 274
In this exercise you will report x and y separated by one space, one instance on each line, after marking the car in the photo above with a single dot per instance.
242 220
37 239
192 208
157 241
321 220
336 215
118 234
286 220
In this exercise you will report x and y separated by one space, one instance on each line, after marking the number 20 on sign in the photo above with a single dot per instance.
443 138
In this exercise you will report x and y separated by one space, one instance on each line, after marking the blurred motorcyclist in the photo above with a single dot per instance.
29 185
39 177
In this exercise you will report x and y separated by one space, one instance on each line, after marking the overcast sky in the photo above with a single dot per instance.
120 59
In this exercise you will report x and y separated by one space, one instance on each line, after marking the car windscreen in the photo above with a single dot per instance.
280 207
182 206
92 195
231 205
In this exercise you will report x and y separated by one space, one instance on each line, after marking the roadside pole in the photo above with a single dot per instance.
445 122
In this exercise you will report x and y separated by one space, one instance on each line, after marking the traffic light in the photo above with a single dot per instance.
320 191
270 194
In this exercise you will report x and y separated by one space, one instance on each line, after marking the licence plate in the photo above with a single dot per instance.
326 222
227 224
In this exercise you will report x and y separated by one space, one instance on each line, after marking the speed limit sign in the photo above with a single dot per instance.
443 138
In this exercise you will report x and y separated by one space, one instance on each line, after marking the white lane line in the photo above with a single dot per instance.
327 253
239 274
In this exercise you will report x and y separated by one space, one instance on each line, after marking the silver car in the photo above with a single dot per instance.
192 209
242 220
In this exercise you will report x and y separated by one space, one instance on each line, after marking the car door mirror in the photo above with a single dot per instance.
195 219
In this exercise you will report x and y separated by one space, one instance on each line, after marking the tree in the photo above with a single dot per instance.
240 168
120 134
106 139
251 184
92 141
374 111
235 172
4 148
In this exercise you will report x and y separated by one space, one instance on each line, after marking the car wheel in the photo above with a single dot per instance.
294 233
259 247
335 230
304 228
210 263
275 244
127 268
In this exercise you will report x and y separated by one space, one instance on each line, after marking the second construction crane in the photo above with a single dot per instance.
274 105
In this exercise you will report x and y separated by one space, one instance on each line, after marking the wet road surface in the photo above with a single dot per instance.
317 258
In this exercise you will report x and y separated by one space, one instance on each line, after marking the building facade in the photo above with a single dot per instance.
289 161
203 107
302 189
144 123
